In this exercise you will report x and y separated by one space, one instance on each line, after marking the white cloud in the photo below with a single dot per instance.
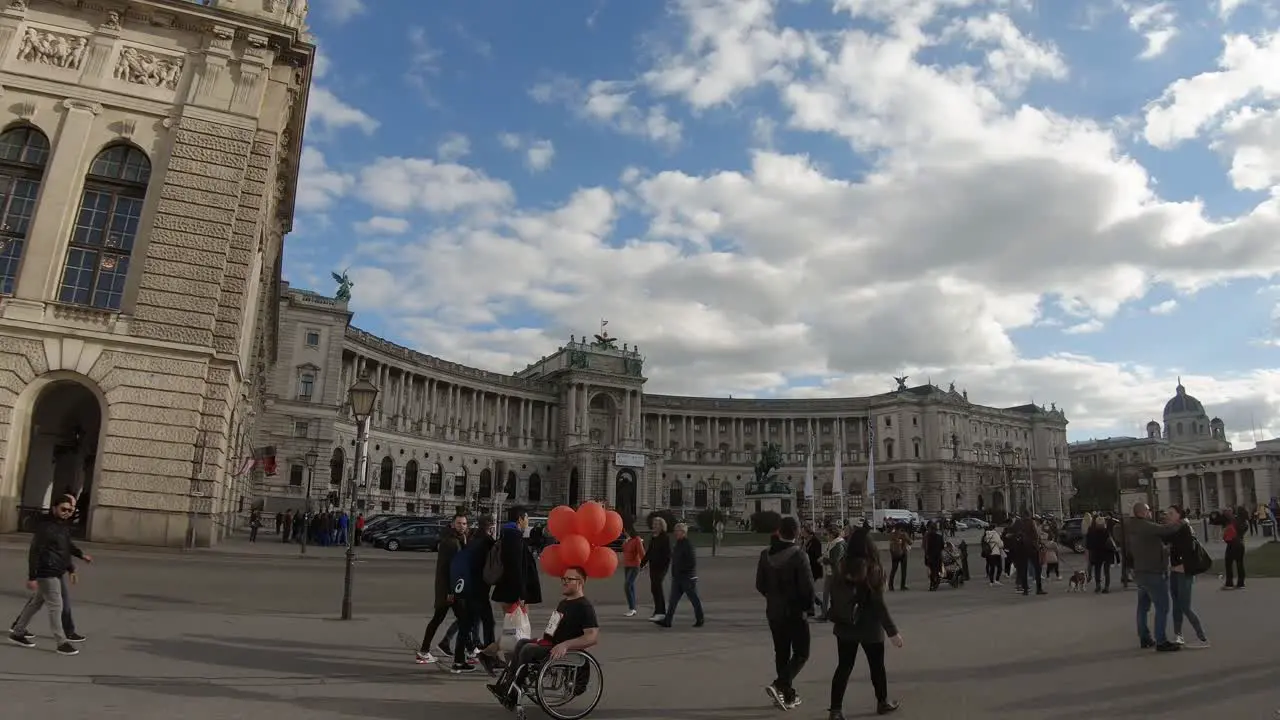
322 65
1157 23
454 146
1251 136
399 184
610 103
539 154
424 58
1164 308
340 11
1088 326
1189 105
329 114
319 186
383 225
979 211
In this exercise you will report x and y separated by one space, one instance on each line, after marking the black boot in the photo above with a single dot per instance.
887 707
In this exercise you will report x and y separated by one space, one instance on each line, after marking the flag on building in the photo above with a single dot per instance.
871 458
837 477
808 471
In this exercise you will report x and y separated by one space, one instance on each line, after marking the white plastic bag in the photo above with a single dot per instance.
515 627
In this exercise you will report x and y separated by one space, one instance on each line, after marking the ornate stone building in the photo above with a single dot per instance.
149 153
577 425
1189 458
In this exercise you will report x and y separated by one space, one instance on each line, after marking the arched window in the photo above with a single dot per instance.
700 494
677 494
460 483
24 151
337 463
110 210
385 473
726 494
435 481
486 483
411 477
535 488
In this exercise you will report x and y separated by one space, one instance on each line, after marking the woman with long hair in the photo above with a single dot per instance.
861 619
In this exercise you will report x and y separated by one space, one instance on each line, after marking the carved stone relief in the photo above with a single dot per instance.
18 5
143 68
53 49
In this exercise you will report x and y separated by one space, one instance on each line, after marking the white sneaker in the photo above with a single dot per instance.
1178 639
997 583
424 658
1198 645
630 613
657 618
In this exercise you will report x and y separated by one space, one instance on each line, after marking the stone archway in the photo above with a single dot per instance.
573 488
62 452
624 493
997 501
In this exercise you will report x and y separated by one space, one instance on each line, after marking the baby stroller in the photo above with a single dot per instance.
952 570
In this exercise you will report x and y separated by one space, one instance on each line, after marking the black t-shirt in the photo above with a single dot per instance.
571 620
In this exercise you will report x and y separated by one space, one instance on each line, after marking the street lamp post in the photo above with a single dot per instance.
1204 501
1006 462
361 395
311 458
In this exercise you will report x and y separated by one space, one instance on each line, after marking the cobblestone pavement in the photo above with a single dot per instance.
222 636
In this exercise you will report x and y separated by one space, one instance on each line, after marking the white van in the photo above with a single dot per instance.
880 518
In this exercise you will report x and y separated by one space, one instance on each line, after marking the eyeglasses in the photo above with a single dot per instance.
569 579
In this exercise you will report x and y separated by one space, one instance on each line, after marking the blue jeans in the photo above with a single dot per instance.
1153 589
1180 585
629 585
681 586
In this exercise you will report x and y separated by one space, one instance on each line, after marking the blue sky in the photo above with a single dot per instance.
1061 201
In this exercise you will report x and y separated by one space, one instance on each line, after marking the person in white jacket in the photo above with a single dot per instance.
993 553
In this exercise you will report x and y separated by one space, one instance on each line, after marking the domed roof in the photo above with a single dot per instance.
1216 421
1181 402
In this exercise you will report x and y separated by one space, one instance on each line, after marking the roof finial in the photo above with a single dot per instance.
1180 388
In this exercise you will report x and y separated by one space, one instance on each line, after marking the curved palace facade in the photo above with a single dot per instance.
577 425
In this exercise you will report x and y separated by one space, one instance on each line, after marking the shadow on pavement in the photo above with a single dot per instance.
317 665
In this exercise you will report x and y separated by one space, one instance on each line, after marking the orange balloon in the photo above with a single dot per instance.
612 529
550 561
574 551
591 519
602 564
562 522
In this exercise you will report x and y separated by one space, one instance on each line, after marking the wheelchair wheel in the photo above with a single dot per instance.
571 687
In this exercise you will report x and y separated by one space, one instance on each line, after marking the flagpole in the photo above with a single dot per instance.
808 485
838 477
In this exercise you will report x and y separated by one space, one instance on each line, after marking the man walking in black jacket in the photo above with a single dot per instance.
48 560
450 545
684 577
784 579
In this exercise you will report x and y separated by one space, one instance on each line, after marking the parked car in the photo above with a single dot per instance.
379 523
1072 535
973 524
410 536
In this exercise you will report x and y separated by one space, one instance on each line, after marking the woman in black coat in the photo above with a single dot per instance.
519 581
861 620
1102 551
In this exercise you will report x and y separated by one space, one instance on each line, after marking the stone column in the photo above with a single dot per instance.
571 405
1222 490
1240 498
625 418
1163 489
546 425
1186 492
585 417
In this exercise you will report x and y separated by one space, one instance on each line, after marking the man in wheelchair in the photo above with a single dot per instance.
573 626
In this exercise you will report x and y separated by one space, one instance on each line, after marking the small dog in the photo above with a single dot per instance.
1076 584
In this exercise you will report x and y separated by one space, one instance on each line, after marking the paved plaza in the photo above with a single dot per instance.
251 633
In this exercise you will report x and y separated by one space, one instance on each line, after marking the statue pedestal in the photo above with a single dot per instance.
772 496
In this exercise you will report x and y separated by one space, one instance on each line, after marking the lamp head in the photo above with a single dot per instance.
362 395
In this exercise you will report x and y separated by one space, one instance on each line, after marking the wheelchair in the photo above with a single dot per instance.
555 685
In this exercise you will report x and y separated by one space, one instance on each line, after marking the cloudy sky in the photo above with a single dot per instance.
1070 202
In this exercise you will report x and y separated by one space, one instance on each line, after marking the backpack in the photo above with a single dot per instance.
986 548
460 571
493 564
1230 533
1199 562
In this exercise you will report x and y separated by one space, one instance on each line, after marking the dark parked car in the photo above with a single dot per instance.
410 536
1072 535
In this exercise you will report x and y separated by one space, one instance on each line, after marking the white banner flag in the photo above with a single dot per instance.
808 471
871 458
837 477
